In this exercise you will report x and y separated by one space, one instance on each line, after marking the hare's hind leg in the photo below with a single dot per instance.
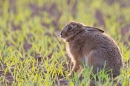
96 60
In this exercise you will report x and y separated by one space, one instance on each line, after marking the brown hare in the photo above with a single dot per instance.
92 46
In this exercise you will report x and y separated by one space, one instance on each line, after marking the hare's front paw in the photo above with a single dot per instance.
70 75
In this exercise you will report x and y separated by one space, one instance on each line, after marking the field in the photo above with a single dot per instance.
33 54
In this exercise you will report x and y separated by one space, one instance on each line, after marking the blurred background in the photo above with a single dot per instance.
29 28
111 15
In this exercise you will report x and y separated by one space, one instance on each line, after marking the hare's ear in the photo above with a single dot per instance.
97 29
93 29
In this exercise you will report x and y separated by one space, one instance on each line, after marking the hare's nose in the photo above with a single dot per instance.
61 34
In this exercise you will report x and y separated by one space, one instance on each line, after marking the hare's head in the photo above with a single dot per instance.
71 29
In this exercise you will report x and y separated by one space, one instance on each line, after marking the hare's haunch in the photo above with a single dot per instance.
93 46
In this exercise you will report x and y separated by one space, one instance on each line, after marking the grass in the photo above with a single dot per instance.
31 53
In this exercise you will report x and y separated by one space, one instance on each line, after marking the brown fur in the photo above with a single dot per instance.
93 46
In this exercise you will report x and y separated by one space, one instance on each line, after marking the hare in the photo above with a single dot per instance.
92 46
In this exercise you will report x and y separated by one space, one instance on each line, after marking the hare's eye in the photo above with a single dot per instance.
69 28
